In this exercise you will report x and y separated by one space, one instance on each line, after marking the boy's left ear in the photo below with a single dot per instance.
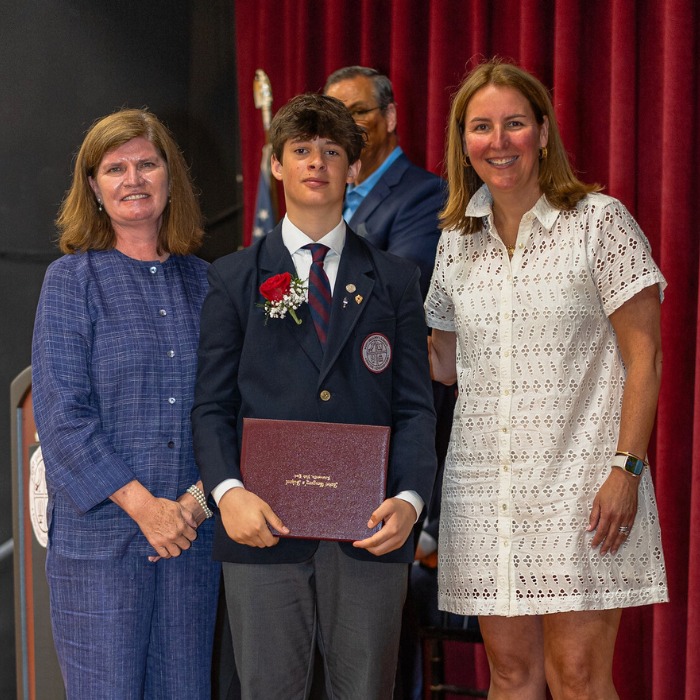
276 168
353 171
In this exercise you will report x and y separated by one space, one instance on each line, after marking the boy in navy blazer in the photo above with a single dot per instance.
287 597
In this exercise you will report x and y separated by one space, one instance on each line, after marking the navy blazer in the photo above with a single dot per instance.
251 368
400 215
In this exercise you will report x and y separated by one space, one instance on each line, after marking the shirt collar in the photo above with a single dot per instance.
294 238
481 205
363 189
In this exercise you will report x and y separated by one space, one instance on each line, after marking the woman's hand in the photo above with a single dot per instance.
191 504
167 525
614 507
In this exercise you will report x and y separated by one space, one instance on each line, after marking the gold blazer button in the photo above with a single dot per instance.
325 395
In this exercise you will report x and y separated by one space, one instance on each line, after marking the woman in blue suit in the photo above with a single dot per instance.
133 590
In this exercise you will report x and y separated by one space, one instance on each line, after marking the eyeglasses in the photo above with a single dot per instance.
361 114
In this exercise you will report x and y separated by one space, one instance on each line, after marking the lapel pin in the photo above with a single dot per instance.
345 302
350 288
358 299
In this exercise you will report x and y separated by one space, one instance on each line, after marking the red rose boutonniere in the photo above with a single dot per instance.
283 294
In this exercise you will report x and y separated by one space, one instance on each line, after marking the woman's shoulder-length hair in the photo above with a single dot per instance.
556 177
83 226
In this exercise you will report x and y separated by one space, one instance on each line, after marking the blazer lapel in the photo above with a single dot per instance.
380 191
275 259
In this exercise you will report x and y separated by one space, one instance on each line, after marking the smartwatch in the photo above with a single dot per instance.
629 462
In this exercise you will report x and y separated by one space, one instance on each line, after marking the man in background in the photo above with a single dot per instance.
394 204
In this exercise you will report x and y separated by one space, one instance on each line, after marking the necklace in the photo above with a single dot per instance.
511 250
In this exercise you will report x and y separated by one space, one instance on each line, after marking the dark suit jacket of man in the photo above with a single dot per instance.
277 370
399 215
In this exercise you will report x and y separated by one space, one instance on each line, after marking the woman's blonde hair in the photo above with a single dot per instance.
556 178
82 226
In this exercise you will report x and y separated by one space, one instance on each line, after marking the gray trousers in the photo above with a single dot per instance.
349 609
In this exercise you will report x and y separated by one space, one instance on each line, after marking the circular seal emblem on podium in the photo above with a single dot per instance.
38 497
376 352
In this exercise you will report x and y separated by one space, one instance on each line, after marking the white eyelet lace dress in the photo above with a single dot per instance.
536 424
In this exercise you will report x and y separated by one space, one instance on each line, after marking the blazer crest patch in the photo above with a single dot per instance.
376 352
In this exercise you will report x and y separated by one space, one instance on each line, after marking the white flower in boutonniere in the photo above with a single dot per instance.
283 294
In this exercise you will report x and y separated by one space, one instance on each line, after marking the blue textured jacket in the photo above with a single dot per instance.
113 370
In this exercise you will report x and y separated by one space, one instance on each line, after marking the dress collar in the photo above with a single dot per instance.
481 205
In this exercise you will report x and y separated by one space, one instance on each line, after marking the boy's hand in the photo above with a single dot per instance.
246 517
399 517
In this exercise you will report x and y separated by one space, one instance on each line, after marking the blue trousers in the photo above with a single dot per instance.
129 629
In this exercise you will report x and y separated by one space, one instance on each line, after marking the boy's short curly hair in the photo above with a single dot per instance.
312 115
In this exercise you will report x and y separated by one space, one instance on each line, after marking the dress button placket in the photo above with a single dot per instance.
504 568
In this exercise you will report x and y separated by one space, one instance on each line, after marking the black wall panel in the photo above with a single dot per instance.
63 63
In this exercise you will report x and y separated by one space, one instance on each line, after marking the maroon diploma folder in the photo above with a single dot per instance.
323 480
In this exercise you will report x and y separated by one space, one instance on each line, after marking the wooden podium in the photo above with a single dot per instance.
38 673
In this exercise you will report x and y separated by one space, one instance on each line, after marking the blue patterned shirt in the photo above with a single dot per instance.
113 368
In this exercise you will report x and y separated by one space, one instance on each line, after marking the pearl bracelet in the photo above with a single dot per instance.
199 496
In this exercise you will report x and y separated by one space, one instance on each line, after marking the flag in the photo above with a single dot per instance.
265 210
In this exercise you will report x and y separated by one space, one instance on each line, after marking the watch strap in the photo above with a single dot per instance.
630 463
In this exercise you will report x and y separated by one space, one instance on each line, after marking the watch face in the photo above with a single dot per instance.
634 465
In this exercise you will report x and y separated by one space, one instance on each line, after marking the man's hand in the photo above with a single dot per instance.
246 518
428 559
399 517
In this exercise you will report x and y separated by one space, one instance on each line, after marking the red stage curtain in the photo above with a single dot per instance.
625 81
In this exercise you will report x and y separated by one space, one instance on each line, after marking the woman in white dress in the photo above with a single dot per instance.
545 305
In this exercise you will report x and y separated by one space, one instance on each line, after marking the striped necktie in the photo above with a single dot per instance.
319 291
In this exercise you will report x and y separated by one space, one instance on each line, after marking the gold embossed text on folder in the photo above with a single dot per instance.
323 480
